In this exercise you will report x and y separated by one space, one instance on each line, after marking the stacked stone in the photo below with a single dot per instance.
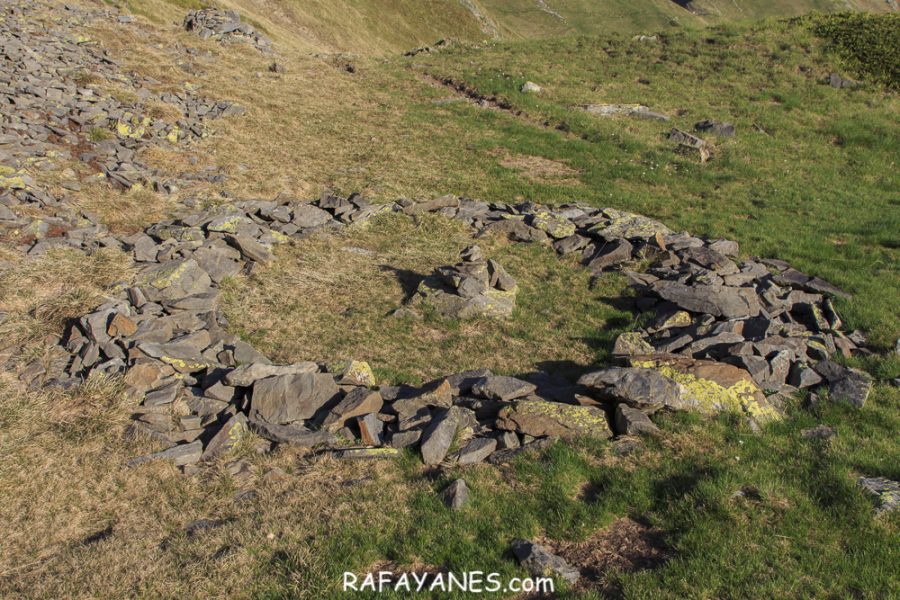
762 317
472 288
225 26
725 332
51 113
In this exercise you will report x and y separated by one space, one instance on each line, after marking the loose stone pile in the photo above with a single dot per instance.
225 26
473 288
724 333
52 112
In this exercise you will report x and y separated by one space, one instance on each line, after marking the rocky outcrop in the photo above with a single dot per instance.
56 108
225 26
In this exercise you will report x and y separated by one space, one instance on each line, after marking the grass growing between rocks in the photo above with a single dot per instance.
809 177
740 515
817 189
331 298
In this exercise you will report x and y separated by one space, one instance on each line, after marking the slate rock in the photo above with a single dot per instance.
845 385
228 436
357 403
476 451
540 562
820 432
294 435
287 398
438 437
246 375
499 387
885 492
631 421
610 254
539 418
456 495
404 439
366 453
180 455
716 300
852 389
640 387
249 248
308 216
371 430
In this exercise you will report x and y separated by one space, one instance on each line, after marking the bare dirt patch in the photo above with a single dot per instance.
626 546
541 170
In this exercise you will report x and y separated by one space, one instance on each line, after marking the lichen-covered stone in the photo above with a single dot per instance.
352 372
555 226
539 418
621 224
711 387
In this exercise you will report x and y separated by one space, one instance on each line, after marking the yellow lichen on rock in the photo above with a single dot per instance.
353 372
710 387
133 127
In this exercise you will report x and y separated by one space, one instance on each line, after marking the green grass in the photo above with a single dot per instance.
809 533
817 189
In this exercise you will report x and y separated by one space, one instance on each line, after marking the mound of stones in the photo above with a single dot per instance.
225 26
52 111
474 287
722 334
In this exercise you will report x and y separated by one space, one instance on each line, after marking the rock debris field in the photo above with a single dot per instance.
53 112
721 332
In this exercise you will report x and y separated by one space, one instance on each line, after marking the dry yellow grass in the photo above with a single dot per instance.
64 480
330 298
39 295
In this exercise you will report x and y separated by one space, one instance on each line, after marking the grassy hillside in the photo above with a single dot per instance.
809 177
377 27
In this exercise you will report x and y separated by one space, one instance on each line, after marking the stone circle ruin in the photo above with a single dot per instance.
721 333
726 334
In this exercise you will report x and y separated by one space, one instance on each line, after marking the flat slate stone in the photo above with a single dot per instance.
246 375
499 387
294 435
716 300
476 451
438 437
539 418
287 398
180 455
634 386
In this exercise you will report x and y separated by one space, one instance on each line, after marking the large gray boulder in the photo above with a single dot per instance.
438 437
